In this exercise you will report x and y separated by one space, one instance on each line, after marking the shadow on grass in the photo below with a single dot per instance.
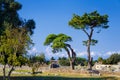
57 78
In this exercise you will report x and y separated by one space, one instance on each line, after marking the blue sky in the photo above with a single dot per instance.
52 16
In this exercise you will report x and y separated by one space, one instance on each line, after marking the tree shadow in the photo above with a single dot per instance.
56 78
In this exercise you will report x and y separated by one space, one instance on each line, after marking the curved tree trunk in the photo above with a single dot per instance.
10 72
70 59
72 65
73 57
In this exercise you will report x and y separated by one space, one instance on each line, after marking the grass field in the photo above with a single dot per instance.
58 76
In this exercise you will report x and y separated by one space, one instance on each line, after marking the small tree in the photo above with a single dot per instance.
42 58
59 42
13 48
80 61
37 59
88 23
63 61
100 60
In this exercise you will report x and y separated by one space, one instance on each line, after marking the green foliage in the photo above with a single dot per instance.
37 59
88 23
15 6
64 61
113 59
104 61
80 61
14 34
13 45
30 26
9 14
22 60
49 39
62 58
57 42
93 42
100 59
3 59
42 58
89 20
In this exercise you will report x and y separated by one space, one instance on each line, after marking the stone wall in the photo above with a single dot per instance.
103 67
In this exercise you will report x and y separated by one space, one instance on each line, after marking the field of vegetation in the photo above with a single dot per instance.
53 75
60 77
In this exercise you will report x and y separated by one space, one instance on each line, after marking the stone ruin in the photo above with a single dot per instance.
104 67
54 64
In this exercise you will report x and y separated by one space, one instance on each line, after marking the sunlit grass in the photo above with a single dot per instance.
61 76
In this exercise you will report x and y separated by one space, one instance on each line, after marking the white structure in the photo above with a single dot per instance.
104 67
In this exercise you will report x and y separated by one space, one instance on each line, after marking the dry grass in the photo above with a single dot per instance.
66 73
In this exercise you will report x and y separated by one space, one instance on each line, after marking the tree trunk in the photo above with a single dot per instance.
88 48
73 57
70 58
89 56
72 65
4 76
10 72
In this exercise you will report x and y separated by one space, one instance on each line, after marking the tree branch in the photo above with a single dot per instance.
91 33
68 52
9 73
72 51
86 32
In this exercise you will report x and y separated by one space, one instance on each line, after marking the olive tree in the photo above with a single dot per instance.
15 35
14 44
